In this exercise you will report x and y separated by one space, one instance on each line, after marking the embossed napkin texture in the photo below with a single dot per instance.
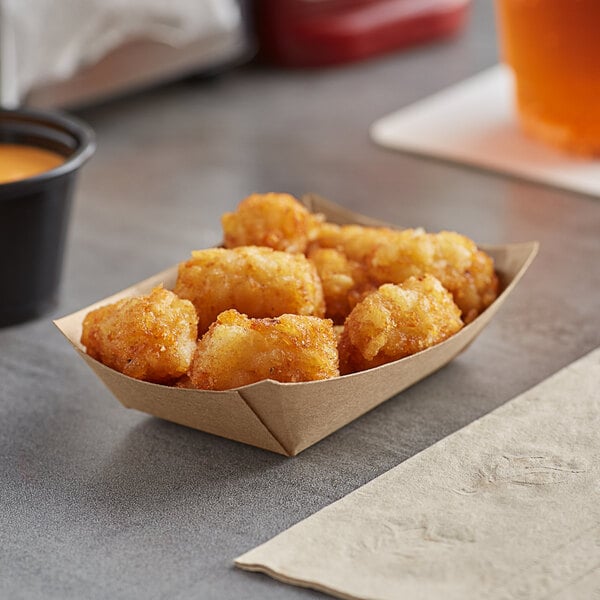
508 507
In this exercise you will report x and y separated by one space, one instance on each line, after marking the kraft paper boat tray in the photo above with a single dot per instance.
289 417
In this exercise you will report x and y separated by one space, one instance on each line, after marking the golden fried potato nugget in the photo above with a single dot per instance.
152 337
396 321
260 282
345 282
355 241
464 270
392 256
237 351
278 221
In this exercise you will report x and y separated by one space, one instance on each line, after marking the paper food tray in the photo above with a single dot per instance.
288 417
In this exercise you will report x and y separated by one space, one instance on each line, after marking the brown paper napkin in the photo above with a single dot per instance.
508 507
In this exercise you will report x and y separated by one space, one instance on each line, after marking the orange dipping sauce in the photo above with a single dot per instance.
18 161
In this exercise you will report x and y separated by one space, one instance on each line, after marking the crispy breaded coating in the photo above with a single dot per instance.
396 321
237 351
392 256
344 281
152 337
278 221
464 270
338 330
259 282
355 241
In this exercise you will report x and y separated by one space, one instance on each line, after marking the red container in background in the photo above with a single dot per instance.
314 33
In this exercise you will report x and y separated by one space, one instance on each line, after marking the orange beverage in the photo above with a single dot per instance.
553 48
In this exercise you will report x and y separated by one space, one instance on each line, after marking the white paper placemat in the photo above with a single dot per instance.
507 507
474 123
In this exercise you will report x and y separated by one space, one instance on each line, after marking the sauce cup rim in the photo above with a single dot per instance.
82 133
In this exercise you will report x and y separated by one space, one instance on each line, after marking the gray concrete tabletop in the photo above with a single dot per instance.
100 502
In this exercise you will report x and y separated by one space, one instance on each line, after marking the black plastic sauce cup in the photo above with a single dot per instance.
34 212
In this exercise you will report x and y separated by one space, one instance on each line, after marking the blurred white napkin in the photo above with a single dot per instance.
42 41
505 508
474 123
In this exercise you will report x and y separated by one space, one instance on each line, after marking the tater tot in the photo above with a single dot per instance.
464 270
278 221
344 282
238 350
259 282
355 241
396 321
152 337
392 256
